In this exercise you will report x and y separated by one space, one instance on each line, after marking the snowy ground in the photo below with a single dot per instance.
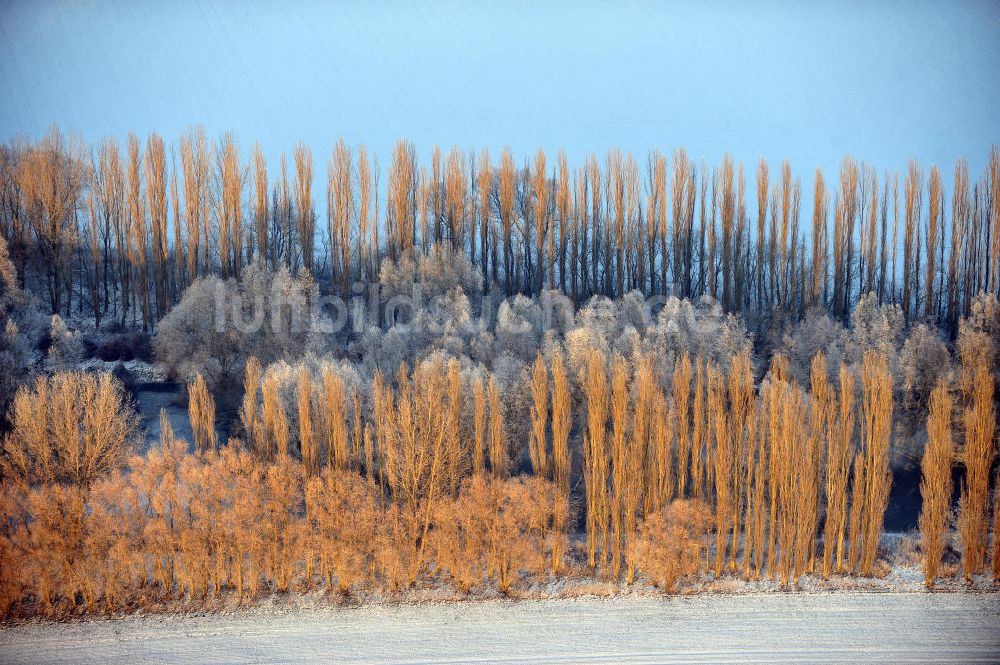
755 628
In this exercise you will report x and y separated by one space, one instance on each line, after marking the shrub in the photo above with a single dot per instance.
671 542
494 529
69 428
124 346
343 514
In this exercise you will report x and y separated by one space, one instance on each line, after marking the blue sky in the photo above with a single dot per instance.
807 81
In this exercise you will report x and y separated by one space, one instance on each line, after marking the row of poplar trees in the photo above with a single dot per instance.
126 229
778 464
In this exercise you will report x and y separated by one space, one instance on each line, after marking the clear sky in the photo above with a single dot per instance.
808 81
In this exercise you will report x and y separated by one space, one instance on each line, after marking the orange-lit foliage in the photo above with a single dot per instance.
493 530
742 435
876 431
595 462
201 413
423 491
838 468
539 417
342 510
562 461
682 393
995 558
979 420
935 481
671 542
68 428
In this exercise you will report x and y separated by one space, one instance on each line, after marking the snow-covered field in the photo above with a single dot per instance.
755 628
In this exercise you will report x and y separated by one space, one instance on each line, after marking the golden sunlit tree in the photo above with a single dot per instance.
194 163
201 413
252 427
261 212
499 446
229 206
913 201
273 419
935 481
562 460
539 417
69 428
305 215
138 230
682 397
156 197
979 424
339 214
741 432
722 459
51 179
479 426
505 211
838 468
307 439
595 453
871 486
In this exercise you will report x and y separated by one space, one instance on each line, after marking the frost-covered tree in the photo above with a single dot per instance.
65 347
513 377
698 329
189 342
519 327
218 324
923 361
15 347
817 332
433 274
15 360
8 275
979 332
875 327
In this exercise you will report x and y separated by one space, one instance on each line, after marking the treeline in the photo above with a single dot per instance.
775 480
484 442
121 231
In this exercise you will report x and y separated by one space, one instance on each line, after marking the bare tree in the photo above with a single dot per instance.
229 206
138 230
51 178
261 216
194 163
305 215
340 214
912 198
505 210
